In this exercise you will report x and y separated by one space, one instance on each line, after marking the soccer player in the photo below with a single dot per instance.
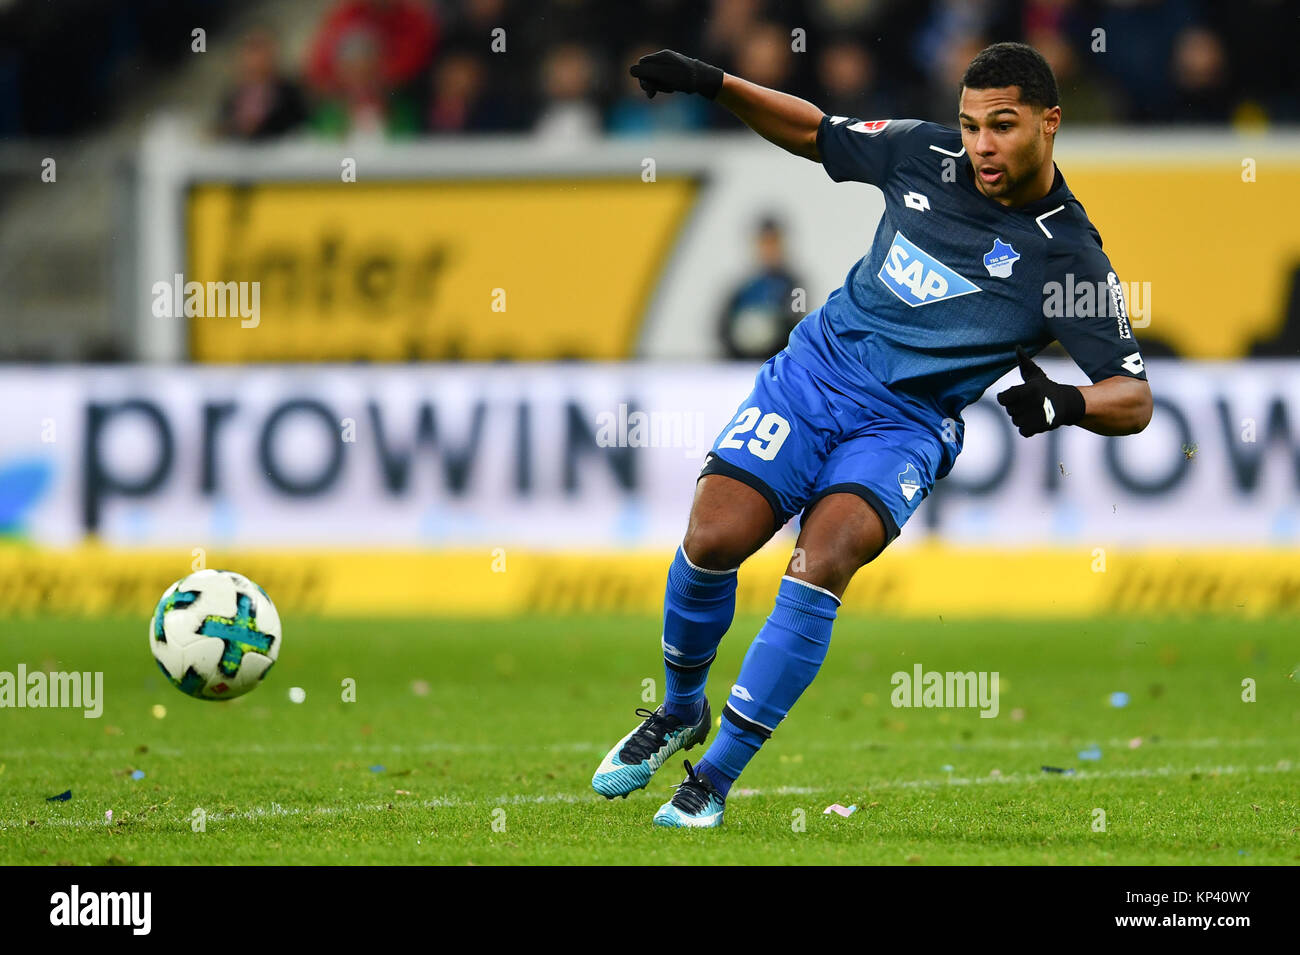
854 421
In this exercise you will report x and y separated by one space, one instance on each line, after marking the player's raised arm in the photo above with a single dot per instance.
1100 340
787 121
1113 406
778 117
1116 406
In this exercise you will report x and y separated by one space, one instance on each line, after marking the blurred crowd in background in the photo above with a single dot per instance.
403 68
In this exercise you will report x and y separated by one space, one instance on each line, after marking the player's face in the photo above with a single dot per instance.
1008 142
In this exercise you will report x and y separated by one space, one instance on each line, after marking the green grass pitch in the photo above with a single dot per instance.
474 742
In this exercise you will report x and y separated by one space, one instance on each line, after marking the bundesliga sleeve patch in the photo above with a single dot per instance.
869 126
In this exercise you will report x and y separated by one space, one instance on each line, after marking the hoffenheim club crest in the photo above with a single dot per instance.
999 259
909 481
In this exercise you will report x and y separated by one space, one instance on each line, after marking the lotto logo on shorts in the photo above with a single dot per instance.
917 277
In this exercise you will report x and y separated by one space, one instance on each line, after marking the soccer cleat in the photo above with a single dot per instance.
634 758
695 805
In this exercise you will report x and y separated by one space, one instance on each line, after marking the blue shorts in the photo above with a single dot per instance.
795 439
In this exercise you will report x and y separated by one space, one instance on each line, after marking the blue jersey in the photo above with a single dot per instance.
867 396
954 281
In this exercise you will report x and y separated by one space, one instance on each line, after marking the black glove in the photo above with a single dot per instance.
1040 404
669 72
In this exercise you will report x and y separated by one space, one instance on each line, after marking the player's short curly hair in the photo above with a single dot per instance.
1014 64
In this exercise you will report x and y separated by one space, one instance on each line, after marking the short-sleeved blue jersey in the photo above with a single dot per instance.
954 281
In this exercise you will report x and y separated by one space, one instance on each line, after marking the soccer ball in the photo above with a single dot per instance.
215 634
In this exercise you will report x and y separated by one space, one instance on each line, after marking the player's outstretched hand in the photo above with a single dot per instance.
670 72
1040 404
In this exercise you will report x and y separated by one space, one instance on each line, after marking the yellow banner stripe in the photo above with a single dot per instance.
924 581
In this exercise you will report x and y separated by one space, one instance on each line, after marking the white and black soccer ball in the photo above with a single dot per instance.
215 634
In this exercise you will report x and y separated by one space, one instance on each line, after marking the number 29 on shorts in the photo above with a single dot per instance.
770 431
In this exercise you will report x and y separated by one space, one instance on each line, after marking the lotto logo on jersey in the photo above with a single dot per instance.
917 277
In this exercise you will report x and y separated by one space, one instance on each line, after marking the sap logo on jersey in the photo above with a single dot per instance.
917 277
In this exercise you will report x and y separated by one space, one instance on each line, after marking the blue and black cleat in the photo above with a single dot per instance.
695 805
636 757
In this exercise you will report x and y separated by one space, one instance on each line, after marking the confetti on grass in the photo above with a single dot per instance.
61 797
137 774
837 808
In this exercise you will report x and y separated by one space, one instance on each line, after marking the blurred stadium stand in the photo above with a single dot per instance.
81 80
526 173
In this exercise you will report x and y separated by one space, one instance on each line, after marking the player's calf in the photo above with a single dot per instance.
729 521
841 534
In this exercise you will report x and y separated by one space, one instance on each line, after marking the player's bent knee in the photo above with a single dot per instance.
849 556
863 549
715 547
829 571
841 535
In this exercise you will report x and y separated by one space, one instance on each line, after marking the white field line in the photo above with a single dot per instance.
519 799
1059 744
1052 743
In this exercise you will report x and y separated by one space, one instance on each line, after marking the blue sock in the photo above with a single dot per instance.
781 663
698 607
